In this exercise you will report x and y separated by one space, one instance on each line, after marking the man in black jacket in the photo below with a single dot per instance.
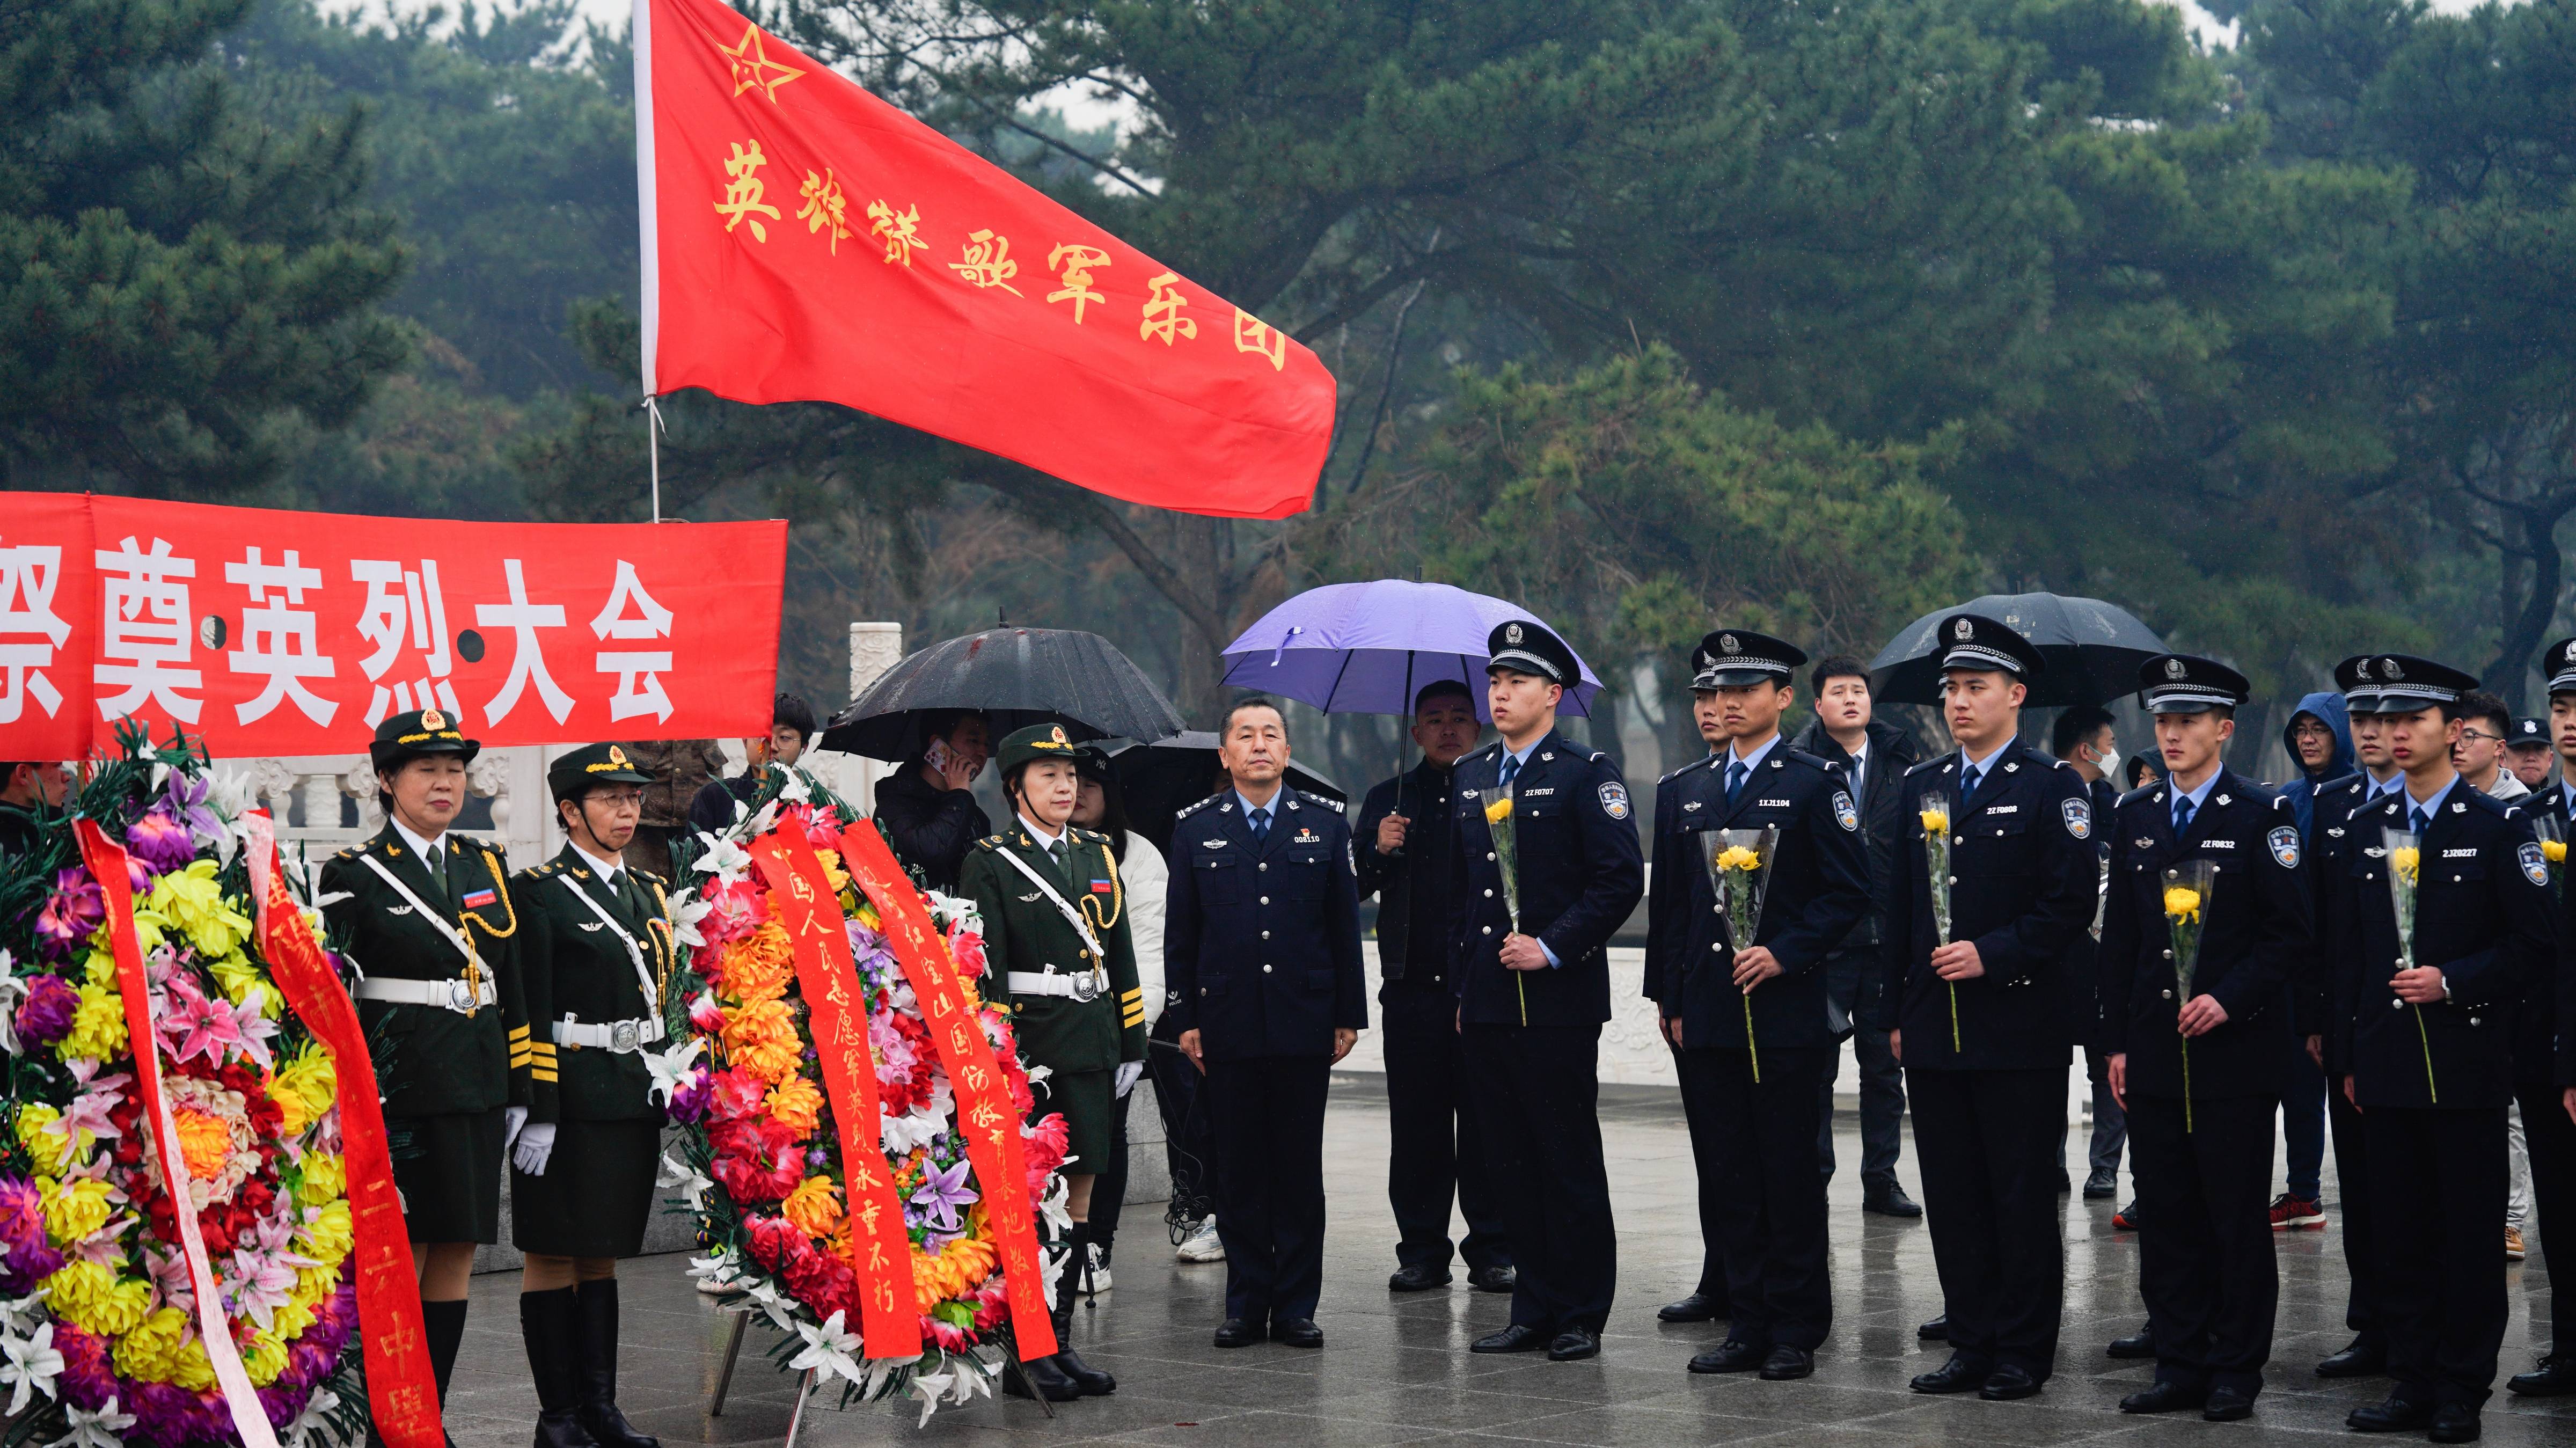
2208 916
1976 982
2548 1133
1433 1151
1873 757
927 808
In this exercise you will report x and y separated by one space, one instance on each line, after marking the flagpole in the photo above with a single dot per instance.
653 450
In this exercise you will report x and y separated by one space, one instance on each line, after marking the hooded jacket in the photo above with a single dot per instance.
2302 792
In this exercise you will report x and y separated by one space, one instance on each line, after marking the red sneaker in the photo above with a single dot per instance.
2289 1212
2126 1219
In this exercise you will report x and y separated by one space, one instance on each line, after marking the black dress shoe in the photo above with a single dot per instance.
1937 1330
1698 1307
1297 1332
1092 1381
2454 1423
1040 1378
2163 1396
2139 1344
1892 1202
1958 1375
1730 1356
1241 1332
1573 1345
1417 1278
2006 1383
1519 1337
2555 1377
1500 1278
1787 1363
2397 1415
2227 1405
2359 1359
2065 1183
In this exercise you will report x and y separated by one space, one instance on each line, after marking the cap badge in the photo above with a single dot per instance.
1727 642
1511 633
2175 668
432 719
2389 667
2571 651
1963 630
617 756
1056 735
2361 670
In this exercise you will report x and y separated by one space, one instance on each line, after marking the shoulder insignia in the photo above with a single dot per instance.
1189 810
1598 756
1813 761
1703 762
990 842
1322 801
2141 792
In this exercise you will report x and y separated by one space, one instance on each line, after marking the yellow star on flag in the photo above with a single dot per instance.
752 67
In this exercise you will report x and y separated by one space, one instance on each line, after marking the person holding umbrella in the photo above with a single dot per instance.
1067 973
2000 876
1433 1154
1547 861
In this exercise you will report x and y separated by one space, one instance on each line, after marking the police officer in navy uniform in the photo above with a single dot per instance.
1748 1018
2542 1074
1981 1019
1534 992
430 920
595 950
2199 1066
2426 1032
1261 951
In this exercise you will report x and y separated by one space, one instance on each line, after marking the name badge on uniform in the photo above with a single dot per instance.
1771 804
477 899
2079 817
2218 844
2285 846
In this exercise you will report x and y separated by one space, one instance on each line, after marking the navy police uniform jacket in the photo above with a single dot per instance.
1581 873
1819 890
1261 939
2255 935
2544 1029
2483 916
2026 878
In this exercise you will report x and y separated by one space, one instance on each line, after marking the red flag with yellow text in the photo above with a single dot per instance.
805 241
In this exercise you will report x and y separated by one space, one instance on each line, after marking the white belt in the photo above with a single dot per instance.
454 994
1083 987
621 1037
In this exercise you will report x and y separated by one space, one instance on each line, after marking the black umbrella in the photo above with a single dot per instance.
1160 779
2093 649
1014 677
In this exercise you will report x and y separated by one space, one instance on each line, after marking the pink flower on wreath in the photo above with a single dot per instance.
734 1094
76 908
736 909
161 841
822 827
966 947
1042 1151
706 1017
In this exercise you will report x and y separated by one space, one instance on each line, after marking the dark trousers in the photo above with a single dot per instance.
1537 1091
2206 1261
2550 1138
2437 1186
1267 1115
1109 1190
1187 1150
1854 982
2303 1120
1987 1145
1770 1200
2362 1311
1435 1153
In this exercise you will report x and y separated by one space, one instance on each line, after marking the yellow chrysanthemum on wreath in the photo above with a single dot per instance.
325 1180
97 1301
75 1210
797 1102
814 1208
759 966
98 1026
148 1353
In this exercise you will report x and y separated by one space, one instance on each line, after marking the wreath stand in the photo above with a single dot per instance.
805 1385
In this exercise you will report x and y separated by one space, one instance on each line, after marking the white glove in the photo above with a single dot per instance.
512 1118
536 1143
1128 1071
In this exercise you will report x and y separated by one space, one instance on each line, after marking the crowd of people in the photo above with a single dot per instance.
2369 955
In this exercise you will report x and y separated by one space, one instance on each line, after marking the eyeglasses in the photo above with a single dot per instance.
619 798
2481 734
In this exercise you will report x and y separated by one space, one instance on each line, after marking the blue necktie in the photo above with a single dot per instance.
2419 820
1735 774
2182 814
1511 769
1968 779
1260 824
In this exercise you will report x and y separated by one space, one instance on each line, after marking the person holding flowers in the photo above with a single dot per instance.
2448 901
1738 979
2001 877
431 922
2209 914
595 952
1056 934
2544 1083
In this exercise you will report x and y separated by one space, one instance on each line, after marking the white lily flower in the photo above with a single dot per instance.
671 1067
1057 1211
312 1421
28 1366
830 1350
19 1316
726 860
763 822
903 1135
692 910
106 1427
692 1183
13 989
796 788
931 1389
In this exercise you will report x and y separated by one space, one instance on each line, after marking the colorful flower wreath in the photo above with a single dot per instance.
764 1165
99 1330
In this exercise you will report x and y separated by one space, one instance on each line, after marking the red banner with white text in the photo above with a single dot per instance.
282 633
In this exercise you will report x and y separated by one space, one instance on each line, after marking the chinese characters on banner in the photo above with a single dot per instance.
268 632
806 242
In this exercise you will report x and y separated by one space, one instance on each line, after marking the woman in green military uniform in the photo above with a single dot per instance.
595 955
430 923
1055 937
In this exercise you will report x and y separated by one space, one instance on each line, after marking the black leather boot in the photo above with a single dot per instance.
550 1322
1039 1378
442 1330
599 1414
1092 1381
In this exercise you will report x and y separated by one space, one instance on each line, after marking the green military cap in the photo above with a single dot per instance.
422 731
1036 742
576 773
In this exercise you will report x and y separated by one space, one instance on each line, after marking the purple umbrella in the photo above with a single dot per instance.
1368 648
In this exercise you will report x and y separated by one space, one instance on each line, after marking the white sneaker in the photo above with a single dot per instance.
1095 1277
718 1286
1202 1245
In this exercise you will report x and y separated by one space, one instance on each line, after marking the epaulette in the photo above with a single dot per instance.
1088 836
2140 792
1189 810
351 853
1325 801
1818 762
1598 756
1703 762
649 878
545 869
2501 809
991 842
1933 763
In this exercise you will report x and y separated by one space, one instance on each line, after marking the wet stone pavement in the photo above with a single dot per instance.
1395 1369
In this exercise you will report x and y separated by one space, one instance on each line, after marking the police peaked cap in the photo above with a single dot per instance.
1036 742
2185 684
405 737
2406 683
1972 641
2358 680
2558 665
590 766
1525 646
1732 658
